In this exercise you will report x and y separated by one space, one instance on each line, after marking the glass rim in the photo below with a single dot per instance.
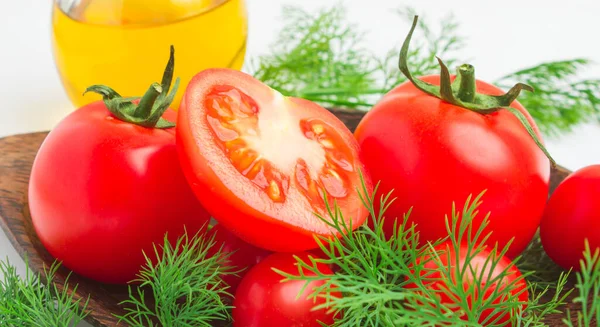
84 3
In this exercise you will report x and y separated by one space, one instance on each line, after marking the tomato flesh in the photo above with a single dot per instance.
253 147
262 163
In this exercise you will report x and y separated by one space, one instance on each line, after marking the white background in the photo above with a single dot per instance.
501 38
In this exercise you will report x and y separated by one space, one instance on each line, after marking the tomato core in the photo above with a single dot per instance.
274 147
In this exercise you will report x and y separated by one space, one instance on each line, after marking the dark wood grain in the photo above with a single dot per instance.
16 157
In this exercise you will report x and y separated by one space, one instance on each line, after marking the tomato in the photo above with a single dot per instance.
432 153
477 274
435 143
572 215
242 256
259 162
103 189
262 299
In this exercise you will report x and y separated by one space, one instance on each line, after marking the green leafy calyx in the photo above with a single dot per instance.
150 108
462 91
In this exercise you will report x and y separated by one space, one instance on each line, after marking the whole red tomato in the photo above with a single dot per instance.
432 153
260 162
479 275
262 299
103 189
572 216
242 256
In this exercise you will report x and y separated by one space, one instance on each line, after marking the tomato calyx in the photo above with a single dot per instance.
150 108
463 91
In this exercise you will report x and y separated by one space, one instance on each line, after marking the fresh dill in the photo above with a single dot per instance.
322 57
318 57
561 99
588 288
29 302
186 286
373 273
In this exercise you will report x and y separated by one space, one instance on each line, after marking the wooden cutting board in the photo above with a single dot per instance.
16 158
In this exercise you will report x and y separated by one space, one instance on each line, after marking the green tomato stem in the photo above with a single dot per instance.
467 89
152 105
462 92
144 108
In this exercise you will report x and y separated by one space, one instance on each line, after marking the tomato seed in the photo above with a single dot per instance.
318 129
274 192
245 163
326 143
235 145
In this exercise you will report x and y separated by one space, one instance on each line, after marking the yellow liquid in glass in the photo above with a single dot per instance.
124 44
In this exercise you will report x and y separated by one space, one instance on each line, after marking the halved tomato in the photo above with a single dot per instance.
260 162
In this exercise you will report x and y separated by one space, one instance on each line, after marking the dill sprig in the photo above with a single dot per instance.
318 57
538 308
561 99
29 302
322 57
373 272
543 271
588 288
185 283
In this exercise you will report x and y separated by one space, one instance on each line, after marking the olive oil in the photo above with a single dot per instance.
125 43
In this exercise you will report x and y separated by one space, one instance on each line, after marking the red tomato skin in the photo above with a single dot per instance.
432 153
572 215
447 254
102 190
242 255
263 300
245 218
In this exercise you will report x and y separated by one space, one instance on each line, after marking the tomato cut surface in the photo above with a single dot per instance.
262 162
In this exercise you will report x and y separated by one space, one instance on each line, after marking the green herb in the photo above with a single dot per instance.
318 57
185 283
181 287
374 271
323 58
28 302
538 308
561 99
588 287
